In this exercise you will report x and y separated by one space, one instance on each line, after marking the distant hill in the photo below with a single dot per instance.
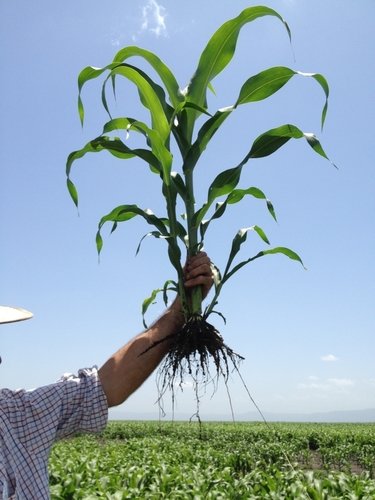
353 416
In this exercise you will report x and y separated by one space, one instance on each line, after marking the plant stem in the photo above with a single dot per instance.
174 249
196 293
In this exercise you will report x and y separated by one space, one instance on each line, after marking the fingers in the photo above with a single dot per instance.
198 272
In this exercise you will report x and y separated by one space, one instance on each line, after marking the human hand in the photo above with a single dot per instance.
198 272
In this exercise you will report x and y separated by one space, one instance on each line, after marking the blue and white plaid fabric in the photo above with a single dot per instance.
31 421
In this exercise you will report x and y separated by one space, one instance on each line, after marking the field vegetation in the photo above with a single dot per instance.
186 460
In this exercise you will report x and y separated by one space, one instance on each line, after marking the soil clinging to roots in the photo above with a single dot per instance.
191 351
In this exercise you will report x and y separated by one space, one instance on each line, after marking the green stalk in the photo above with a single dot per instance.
196 293
174 249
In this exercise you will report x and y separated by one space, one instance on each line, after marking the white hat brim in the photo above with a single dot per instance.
10 314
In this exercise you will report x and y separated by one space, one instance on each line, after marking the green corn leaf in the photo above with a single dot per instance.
167 77
219 211
118 124
155 234
124 213
223 184
279 250
174 254
237 194
181 231
91 147
205 134
158 149
117 148
271 209
90 72
264 84
192 105
149 98
81 111
85 75
234 197
315 144
147 302
158 90
153 140
99 242
261 233
238 240
179 184
219 52
72 191
169 285
269 142
267 82
285 251
324 84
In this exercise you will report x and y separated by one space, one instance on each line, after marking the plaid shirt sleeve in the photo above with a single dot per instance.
30 422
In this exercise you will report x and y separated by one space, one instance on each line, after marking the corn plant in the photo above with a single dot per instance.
175 124
163 460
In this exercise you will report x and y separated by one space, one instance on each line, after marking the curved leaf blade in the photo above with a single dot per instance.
237 195
72 191
166 75
219 52
89 73
278 250
151 300
155 234
205 134
317 147
264 84
163 154
114 146
324 84
285 251
238 240
124 213
149 98
269 142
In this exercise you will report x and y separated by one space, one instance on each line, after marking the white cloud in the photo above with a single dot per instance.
332 386
329 357
341 382
314 385
153 18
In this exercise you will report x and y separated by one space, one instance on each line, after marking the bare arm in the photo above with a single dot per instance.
125 371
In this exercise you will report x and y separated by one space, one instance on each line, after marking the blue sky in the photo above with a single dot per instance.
307 336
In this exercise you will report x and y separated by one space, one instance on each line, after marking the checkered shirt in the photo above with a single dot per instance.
31 421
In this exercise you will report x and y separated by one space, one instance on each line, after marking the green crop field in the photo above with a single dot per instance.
181 460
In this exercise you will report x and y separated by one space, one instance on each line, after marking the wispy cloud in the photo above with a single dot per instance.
331 385
153 18
329 357
341 382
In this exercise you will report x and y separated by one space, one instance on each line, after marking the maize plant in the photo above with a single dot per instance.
174 114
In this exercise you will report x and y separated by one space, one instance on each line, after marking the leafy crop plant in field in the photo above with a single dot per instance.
155 460
180 119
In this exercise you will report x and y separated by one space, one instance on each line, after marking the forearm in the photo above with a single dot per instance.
125 371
